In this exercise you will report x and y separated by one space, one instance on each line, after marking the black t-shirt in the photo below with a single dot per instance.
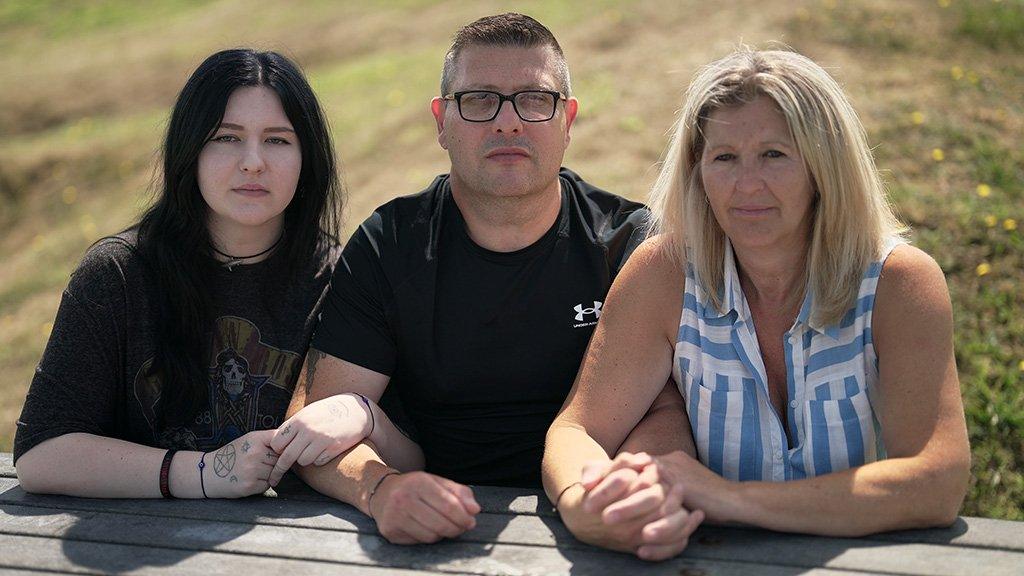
481 347
93 374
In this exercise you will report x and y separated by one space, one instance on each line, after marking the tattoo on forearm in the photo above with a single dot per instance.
339 410
312 358
287 430
224 460
234 478
246 446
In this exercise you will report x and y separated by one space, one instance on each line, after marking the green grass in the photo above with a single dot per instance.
963 207
997 24
56 19
94 82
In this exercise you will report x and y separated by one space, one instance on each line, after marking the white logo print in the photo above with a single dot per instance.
581 311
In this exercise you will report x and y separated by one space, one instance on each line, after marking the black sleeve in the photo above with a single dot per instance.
76 383
629 232
354 321
634 233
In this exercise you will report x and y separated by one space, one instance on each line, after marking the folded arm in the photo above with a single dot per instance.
329 394
625 370
376 473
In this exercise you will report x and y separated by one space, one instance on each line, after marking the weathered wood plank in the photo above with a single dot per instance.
330 515
523 529
200 536
852 554
966 531
930 551
77 557
494 499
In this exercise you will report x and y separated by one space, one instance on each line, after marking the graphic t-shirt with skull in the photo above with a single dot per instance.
94 375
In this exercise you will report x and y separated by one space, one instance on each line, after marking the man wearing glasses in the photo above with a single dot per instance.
473 301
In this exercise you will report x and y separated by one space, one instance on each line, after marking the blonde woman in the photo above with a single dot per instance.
812 347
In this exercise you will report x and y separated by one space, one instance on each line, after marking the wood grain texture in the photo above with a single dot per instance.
296 528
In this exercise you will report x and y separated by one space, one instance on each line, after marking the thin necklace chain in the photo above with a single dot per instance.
233 260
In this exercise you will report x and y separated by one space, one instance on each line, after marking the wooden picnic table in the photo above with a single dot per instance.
297 531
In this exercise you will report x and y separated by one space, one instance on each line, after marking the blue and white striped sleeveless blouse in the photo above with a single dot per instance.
831 374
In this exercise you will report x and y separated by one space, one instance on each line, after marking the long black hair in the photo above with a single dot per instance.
173 237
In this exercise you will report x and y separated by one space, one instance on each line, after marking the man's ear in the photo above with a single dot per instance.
438 106
572 107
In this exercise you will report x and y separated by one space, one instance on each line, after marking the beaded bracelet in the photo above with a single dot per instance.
165 472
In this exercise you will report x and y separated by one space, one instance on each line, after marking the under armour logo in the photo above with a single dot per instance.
581 311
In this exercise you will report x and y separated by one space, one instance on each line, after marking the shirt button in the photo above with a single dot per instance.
792 403
778 455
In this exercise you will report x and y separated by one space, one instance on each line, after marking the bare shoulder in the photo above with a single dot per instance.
911 295
910 274
649 289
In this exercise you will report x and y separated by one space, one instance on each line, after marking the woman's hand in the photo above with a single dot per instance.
241 467
628 506
320 432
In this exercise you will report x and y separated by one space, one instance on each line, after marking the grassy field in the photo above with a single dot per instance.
938 83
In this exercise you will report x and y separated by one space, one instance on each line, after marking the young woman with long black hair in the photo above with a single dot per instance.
178 342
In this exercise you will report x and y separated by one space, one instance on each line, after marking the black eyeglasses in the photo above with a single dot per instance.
484 105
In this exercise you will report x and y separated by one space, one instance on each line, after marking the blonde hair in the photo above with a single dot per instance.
852 217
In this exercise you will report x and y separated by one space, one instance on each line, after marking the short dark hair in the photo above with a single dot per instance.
172 234
510 30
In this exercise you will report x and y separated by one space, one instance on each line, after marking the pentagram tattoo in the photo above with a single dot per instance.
224 460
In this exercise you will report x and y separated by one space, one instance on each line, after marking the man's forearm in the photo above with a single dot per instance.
349 477
391 443
664 429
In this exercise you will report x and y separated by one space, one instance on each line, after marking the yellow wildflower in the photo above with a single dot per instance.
956 72
1021 365
1009 224
983 268
917 117
984 190
991 221
972 77
944 3
938 155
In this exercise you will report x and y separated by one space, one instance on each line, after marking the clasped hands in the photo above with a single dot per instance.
632 504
